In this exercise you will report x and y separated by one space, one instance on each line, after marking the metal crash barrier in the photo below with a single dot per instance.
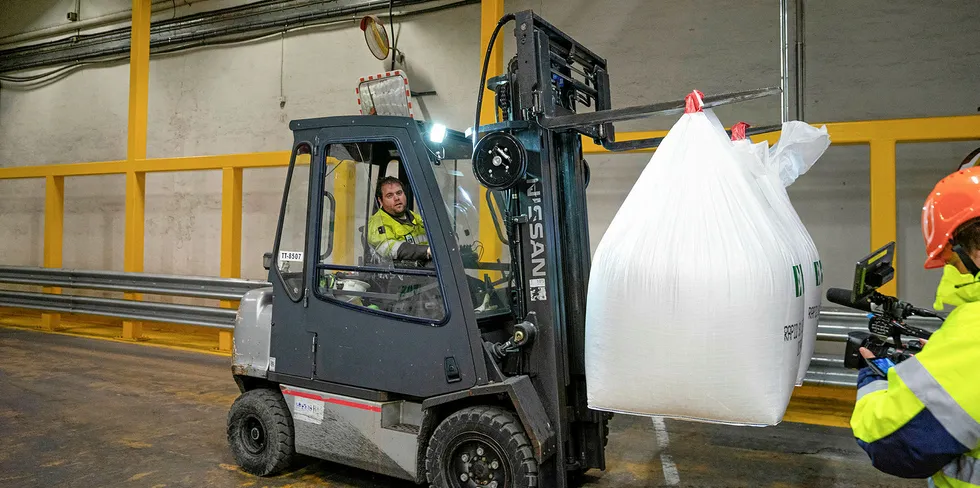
229 289
825 368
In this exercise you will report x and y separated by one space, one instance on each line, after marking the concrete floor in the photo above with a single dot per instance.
83 412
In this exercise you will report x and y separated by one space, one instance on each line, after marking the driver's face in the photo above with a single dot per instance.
393 199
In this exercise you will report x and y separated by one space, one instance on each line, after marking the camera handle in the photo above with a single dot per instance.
879 304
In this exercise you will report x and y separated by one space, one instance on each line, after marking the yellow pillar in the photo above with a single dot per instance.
135 202
883 206
54 225
490 13
231 239
139 87
344 183
139 80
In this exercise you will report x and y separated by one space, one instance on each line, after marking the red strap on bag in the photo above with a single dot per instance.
693 102
738 131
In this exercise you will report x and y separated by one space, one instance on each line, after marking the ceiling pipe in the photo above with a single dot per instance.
56 74
783 61
211 27
94 22
800 59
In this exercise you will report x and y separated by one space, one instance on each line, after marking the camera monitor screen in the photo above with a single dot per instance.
873 271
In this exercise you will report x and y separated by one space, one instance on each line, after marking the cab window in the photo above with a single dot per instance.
477 219
373 243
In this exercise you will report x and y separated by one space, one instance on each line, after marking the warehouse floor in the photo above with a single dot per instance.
82 412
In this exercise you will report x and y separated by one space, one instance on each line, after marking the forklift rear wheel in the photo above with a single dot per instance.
260 432
480 447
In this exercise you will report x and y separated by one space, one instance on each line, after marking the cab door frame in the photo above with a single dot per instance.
375 350
290 351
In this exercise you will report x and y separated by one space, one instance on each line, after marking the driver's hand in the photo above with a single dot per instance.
428 253
866 353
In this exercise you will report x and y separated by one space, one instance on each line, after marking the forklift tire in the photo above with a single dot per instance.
480 446
260 432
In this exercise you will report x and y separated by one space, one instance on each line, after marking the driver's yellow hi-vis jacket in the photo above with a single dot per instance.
924 420
394 239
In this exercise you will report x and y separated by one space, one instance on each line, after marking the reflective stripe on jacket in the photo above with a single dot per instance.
924 420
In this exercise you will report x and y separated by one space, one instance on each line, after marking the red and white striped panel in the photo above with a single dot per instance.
386 74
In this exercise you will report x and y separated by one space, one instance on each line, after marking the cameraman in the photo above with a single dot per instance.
923 421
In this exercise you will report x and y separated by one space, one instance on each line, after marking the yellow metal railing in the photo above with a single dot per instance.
880 135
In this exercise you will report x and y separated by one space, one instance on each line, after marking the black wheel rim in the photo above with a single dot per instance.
253 434
476 461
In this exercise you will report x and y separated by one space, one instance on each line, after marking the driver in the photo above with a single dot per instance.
394 232
397 234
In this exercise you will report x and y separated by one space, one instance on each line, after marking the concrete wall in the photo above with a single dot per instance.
906 58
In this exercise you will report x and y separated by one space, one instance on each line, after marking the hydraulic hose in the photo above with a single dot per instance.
483 75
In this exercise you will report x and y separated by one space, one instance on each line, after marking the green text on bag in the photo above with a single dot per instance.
798 278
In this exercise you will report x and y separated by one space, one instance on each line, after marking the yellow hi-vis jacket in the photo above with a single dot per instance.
924 420
394 239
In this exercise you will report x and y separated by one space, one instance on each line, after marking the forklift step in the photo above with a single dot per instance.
406 428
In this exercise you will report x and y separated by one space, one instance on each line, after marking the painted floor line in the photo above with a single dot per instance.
671 476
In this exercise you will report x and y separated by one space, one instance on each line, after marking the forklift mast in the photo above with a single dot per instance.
554 92
553 75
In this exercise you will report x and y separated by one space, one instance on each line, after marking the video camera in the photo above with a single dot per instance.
886 314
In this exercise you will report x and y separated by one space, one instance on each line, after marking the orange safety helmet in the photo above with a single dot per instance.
953 201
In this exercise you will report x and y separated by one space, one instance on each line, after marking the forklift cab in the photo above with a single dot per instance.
354 317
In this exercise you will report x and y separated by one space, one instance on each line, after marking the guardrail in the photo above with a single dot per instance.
229 289
153 284
219 318
825 369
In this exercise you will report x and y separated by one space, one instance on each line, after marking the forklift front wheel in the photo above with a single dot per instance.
260 432
480 447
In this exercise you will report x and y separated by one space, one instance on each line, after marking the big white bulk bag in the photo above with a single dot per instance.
761 170
799 147
695 299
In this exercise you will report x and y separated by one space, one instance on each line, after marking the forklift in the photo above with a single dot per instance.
467 368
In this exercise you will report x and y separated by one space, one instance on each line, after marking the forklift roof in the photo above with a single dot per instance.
452 145
369 120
